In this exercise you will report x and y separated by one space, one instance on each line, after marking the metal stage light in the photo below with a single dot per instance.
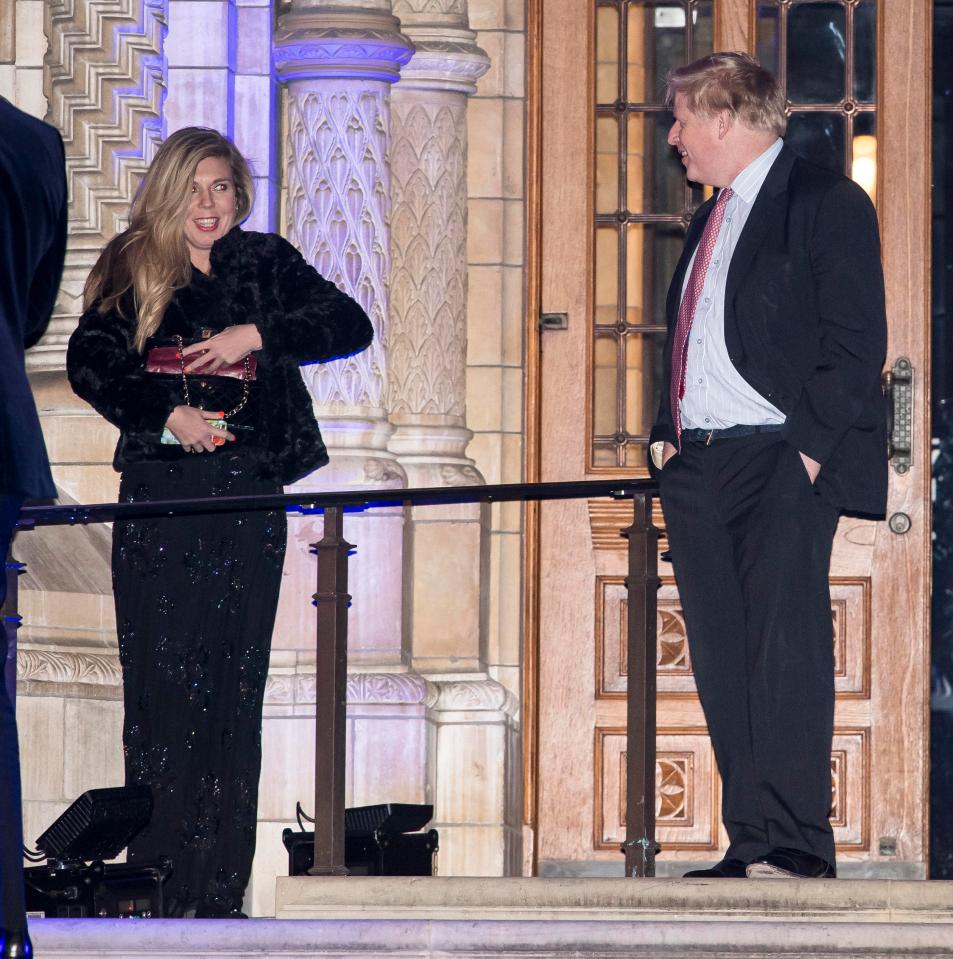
380 840
99 825
76 883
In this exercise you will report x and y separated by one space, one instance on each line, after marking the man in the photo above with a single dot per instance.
771 423
32 246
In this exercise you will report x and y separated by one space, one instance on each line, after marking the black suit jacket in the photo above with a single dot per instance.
33 216
805 323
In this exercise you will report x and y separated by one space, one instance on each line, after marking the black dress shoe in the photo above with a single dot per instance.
791 864
726 869
15 944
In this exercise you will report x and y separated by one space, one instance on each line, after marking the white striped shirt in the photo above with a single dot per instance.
716 395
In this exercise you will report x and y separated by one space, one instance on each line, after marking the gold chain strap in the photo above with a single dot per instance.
246 381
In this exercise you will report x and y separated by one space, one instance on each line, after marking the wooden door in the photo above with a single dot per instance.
604 232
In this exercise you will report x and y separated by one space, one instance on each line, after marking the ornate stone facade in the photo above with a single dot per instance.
105 82
374 181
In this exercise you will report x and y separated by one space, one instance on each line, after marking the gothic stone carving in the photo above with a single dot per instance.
428 305
338 196
105 86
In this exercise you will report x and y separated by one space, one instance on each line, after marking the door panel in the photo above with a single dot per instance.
609 224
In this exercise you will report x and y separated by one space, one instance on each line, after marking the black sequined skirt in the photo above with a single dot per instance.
195 607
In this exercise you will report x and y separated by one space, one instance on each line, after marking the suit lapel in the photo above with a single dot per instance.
769 206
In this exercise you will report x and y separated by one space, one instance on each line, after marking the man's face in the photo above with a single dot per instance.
700 143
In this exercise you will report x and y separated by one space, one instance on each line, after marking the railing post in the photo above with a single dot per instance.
12 620
330 709
641 585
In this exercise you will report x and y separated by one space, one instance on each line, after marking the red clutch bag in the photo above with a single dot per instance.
169 359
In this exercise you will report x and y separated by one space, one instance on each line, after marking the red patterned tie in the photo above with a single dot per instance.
686 311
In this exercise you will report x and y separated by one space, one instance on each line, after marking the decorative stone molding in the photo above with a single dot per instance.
454 475
392 688
67 667
404 689
340 52
105 85
454 11
483 695
280 689
446 56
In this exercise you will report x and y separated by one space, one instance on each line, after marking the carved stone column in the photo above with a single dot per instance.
338 59
428 336
338 62
427 350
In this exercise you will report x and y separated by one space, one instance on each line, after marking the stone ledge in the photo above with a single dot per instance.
690 900
428 939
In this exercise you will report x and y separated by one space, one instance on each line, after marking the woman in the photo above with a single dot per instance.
196 596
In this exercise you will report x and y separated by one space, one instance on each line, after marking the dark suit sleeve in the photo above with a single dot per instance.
46 279
852 325
317 322
105 370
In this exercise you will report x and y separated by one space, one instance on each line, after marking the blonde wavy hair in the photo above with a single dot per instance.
735 82
151 258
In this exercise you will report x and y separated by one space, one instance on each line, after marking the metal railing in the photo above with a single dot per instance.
332 599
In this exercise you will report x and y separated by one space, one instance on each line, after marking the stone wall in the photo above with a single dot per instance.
433 698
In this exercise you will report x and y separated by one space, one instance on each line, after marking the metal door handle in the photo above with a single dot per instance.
898 389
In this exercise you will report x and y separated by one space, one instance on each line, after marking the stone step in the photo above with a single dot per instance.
689 900
416 918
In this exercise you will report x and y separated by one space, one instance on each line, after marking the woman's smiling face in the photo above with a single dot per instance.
211 211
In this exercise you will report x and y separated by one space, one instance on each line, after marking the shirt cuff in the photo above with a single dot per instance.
656 451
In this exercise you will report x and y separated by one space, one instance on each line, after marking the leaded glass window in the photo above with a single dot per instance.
642 207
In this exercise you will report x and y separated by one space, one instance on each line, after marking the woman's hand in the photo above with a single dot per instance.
229 346
192 429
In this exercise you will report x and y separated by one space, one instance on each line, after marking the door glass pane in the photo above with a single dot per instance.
703 30
607 164
816 52
638 66
769 38
863 168
607 275
607 54
655 178
606 386
818 137
643 376
652 253
865 50
605 454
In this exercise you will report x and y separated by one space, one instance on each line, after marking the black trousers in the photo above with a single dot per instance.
12 915
751 542
195 606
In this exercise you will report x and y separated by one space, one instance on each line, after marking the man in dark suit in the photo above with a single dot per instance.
33 217
771 424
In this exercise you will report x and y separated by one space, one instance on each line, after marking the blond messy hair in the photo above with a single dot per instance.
735 82
151 258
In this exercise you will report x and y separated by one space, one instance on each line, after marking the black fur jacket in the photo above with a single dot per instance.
256 278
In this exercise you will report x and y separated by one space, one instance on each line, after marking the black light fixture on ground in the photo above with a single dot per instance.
75 882
379 840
